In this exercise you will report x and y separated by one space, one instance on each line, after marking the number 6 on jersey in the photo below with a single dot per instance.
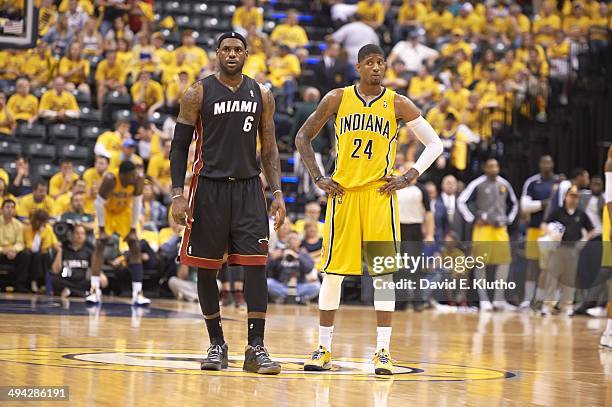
248 124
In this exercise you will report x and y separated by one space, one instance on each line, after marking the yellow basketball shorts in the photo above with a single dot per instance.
119 223
532 250
606 256
492 243
362 218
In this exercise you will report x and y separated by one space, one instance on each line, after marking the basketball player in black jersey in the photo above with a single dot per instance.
226 210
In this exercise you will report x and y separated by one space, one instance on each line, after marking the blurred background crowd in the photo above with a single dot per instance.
513 80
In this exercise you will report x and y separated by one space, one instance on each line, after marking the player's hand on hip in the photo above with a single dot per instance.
131 236
395 182
278 210
330 186
181 212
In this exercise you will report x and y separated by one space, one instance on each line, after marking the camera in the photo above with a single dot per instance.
63 231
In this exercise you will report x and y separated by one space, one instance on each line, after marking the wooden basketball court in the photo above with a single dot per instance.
120 356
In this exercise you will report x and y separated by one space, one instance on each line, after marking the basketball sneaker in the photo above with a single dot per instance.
486 306
319 361
216 358
94 297
140 300
383 365
257 360
504 306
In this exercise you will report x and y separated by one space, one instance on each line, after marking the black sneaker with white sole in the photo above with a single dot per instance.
216 358
257 360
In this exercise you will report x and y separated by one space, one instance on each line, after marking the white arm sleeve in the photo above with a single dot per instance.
433 145
608 191
136 210
99 207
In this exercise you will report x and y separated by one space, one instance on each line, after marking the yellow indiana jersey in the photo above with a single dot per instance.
366 138
120 198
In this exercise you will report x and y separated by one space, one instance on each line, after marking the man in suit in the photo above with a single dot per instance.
331 72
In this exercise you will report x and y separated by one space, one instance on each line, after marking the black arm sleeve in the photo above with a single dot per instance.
179 151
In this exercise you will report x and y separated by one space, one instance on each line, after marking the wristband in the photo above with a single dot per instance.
177 196
278 190
319 178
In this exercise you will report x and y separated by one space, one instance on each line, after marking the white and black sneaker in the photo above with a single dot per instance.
216 358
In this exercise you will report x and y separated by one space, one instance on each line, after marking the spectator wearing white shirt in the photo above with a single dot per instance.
76 16
355 35
413 53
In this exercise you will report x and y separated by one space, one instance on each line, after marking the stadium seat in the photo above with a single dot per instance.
206 41
158 119
214 24
117 99
63 133
122 114
40 153
203 9
83 99
78 154
9 150
177 8
31 133
46 171
89 115
9 166
38 92
80 169
188 22
227 11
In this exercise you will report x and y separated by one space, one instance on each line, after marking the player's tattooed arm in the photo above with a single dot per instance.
189 112
328 107
107 185
270 160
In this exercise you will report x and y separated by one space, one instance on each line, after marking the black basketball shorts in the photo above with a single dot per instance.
229 216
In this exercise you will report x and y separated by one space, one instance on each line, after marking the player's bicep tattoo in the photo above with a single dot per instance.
190 104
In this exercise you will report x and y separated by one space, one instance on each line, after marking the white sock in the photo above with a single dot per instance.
383 337
530 287
325 336
136 289
539 294
95 282
609 327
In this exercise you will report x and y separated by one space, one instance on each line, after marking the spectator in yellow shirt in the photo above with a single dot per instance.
127 153
468 20
577 21
601 24
64 201
463 67
75 69
93 178
290 33
411 15
147 93
246 15
11 66
456 42
4 187
38 199
438 23
284 69
39 240
437 114
23 105
457 95
372 12
110 142
176 89
58 104
171 72
12 245
62 182
545 24
424 89
195 56
312 213
509 66
162 57
110 77
47 14
519 22
40 65
159 168
7 122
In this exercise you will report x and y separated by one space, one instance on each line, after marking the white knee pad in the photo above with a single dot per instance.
329 295
384 297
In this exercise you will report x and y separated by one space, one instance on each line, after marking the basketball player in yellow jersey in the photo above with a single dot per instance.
118 207
363 204
606 258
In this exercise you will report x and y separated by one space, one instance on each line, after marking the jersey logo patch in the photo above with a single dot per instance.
385 104
252 94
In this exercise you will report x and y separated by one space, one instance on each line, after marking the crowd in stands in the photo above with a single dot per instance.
469 66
